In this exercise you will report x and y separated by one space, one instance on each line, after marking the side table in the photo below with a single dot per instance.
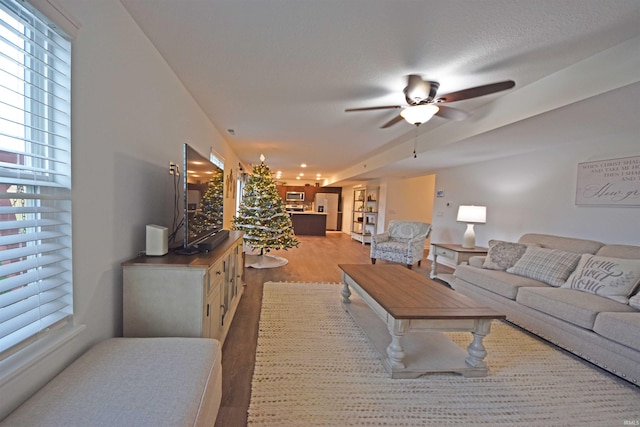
456 253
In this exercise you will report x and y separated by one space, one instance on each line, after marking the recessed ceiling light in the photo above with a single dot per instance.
304 165
297 177
231 132
301 174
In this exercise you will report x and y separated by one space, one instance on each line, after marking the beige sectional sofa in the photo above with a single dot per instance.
581 295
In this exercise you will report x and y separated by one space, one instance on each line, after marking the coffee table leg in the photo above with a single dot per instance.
346 292
397 328
433 274
476 349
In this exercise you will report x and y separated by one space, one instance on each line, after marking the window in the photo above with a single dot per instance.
216 159
35 177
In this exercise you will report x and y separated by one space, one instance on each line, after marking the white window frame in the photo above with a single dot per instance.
36 287
216 159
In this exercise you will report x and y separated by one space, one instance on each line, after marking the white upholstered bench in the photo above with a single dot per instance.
131 382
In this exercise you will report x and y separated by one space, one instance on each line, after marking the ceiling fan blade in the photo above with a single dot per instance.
451 113
477 91
392 122
385 107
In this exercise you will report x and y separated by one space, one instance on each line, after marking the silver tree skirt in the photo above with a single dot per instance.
264 261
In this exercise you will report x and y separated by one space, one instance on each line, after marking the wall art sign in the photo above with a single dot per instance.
614 182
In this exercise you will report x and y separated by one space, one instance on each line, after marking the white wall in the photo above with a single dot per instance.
130 116
535 192
409 199
347 209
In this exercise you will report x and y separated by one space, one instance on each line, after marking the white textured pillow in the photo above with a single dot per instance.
551 266
503 255
614 278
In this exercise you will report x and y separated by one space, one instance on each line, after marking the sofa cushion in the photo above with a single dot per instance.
569 244
634 301
578 308
477 261
614 278
498 282
503 255
623 328
620 251
551 266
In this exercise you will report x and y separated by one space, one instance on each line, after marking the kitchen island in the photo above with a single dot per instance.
309 223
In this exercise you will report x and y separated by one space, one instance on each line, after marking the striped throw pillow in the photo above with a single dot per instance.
551 266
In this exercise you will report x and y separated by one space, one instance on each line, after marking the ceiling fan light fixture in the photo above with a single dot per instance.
418 114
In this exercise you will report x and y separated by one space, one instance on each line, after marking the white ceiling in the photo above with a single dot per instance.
281 73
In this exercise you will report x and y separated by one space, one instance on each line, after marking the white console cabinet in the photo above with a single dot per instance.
184 296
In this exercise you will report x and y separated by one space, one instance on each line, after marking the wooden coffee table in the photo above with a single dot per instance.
405 314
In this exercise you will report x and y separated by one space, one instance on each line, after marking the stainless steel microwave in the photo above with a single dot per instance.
294 196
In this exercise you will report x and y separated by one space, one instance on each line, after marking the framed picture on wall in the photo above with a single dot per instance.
613 182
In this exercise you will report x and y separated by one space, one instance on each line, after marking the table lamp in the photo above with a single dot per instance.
471 215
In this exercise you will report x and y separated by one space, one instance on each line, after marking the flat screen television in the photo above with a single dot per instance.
203 201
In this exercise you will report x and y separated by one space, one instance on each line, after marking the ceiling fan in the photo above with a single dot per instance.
423 102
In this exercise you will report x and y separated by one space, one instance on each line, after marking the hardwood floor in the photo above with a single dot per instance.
315 260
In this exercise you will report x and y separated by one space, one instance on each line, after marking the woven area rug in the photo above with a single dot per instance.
315 367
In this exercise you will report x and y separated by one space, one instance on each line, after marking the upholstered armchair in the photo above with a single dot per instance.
403 242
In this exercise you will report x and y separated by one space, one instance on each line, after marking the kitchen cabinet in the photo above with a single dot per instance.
309 223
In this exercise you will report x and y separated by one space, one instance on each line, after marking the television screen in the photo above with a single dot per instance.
203 197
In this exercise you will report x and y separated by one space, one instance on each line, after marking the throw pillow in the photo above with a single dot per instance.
551 266
503 255
614 278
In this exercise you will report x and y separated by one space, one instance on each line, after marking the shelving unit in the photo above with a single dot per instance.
364 213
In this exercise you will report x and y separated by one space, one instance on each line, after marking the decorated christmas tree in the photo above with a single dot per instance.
262 214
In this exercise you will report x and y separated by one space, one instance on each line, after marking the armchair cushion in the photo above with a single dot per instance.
400 248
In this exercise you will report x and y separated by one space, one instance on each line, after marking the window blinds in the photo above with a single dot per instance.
35 176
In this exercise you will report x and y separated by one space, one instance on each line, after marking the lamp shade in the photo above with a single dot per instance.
472 214
418 114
